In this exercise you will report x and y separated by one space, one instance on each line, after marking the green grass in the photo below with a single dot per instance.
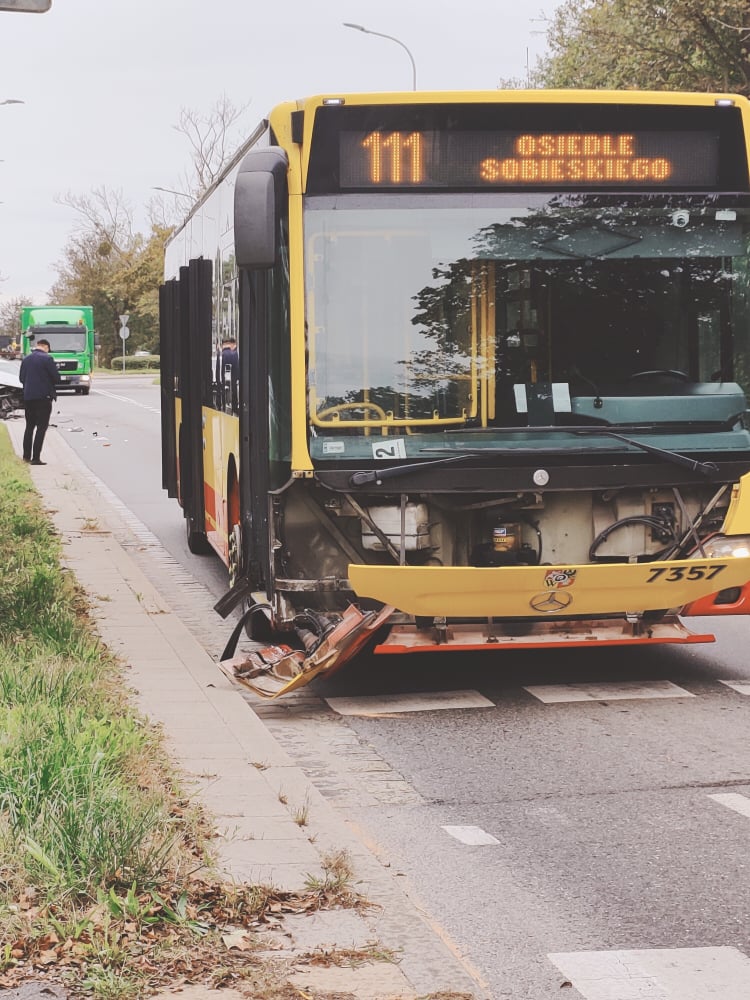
73 816
87 806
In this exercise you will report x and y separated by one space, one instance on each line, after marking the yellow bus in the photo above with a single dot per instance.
491 374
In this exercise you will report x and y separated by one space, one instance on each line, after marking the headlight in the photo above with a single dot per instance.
85 378
725 547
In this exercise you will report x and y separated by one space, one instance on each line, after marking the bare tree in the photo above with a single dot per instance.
106 215
213 140
166 211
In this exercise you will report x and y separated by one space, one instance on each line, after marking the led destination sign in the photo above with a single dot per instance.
590 158
500 159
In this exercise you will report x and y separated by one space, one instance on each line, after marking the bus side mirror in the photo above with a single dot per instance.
256 207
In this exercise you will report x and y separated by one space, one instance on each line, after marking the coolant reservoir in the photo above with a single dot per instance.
388 519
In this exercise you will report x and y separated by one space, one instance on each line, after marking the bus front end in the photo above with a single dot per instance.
508 355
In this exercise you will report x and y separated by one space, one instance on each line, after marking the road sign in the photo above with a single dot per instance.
124 332
124 319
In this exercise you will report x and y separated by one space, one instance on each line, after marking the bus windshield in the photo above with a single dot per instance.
435 312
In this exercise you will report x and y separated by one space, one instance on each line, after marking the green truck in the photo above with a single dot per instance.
70 332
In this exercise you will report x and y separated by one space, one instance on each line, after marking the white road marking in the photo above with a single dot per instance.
429 701
658 974
126 399
475 836
741 687
733 800
552 694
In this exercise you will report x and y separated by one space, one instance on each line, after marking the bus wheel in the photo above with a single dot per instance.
235 554
197 542
259 628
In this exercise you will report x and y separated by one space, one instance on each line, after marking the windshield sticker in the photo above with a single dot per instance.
555 579
333 447
389 448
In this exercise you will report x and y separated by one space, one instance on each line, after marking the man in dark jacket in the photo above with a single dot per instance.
39 376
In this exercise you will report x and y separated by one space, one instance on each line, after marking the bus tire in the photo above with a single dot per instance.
197 541
259 628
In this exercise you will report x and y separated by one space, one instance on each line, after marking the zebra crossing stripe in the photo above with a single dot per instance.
474 836
552 694
657 974
741 687
427 701
733 800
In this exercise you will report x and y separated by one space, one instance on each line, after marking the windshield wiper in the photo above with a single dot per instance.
708 469
376 476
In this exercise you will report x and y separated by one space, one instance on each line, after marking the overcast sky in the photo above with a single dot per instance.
104 81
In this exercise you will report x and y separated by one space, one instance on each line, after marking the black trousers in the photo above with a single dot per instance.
38 412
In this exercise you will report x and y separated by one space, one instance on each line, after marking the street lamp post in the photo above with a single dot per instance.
26 6
179 194
367 31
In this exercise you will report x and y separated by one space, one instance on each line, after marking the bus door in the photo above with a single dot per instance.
169 325
193 388
261 260
254 420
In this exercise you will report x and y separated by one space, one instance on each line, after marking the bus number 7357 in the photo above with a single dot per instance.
671 574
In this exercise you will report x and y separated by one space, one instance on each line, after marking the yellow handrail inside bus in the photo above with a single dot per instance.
480 375
382 423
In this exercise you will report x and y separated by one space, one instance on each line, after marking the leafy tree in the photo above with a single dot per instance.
698 45
143 277
112 268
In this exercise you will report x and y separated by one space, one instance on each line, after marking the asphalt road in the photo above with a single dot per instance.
600 841
116 431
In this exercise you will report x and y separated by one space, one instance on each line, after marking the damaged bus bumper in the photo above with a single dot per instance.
469 608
